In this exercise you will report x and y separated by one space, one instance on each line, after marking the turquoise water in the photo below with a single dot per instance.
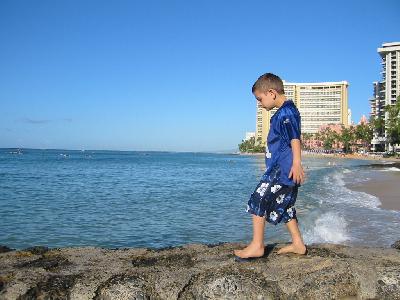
59 198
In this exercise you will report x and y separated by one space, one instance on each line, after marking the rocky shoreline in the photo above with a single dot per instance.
197 271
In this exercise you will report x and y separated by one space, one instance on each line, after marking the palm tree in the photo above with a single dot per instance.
378 125
305 138
363 132
347 138
393 122
328 138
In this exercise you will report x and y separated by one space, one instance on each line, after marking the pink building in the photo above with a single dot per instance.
315 142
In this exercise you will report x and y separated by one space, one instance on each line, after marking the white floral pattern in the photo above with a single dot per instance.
290 211
276 188
263 188
273 216
280 198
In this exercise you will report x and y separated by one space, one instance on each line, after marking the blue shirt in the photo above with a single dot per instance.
284 126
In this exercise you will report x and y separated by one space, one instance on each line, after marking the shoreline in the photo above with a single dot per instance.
325 155
384 186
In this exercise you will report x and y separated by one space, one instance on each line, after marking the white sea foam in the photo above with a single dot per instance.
391 169
328 228
339 193
346 171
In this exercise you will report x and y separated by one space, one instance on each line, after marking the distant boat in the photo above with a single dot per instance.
18 151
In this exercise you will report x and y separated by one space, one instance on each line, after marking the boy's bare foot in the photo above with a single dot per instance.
252 250
293 248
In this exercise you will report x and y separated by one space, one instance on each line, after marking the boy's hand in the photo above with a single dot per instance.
297 173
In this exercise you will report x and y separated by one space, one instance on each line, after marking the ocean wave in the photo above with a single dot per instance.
330 227
339 193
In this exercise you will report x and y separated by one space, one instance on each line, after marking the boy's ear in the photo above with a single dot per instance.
273 92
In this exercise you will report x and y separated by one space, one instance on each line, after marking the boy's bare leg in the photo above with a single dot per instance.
297 245
256 247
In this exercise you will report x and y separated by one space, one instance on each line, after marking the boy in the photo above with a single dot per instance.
274 197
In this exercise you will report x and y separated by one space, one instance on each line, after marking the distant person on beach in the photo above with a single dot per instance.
275 195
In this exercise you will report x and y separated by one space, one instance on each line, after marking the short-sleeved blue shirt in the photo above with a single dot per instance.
284 126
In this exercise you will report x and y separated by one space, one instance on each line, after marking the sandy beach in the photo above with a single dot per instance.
351 156
346 156
385 186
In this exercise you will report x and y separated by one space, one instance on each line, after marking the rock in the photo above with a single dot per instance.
5 249
197 271
396 245
55 287
37 250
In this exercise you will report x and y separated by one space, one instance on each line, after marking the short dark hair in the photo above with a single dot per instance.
268 81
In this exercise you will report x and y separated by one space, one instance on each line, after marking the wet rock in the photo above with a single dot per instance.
215 245
396 245
5 249
38 250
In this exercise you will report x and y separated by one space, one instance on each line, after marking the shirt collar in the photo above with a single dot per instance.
285 103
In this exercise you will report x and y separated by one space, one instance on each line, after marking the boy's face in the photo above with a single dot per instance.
266 99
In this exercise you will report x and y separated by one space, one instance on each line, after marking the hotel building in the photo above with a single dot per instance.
319 104
387 90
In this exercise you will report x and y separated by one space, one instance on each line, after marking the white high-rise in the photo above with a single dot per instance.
387 90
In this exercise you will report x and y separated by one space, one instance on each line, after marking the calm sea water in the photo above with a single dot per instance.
59 198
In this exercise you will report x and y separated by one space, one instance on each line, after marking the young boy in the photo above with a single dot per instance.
274 197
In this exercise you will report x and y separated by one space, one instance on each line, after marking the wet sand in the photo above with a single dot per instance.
385 186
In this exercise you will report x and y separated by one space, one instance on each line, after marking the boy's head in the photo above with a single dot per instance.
267 88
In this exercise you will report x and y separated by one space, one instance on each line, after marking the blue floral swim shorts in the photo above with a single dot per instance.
273 201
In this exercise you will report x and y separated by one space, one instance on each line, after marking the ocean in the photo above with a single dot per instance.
117 199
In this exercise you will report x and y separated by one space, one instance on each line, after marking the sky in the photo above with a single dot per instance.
173 75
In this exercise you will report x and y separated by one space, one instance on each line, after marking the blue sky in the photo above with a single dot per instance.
173 75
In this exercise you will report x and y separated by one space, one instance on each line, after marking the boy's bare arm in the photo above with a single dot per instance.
296 172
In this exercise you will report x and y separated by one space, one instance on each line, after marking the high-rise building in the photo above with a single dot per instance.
385 91
319 104
349 121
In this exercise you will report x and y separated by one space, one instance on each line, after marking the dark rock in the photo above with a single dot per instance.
50 263
161 249
396 245
38 250
324 252
4 249
215 245
179 260
55 287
